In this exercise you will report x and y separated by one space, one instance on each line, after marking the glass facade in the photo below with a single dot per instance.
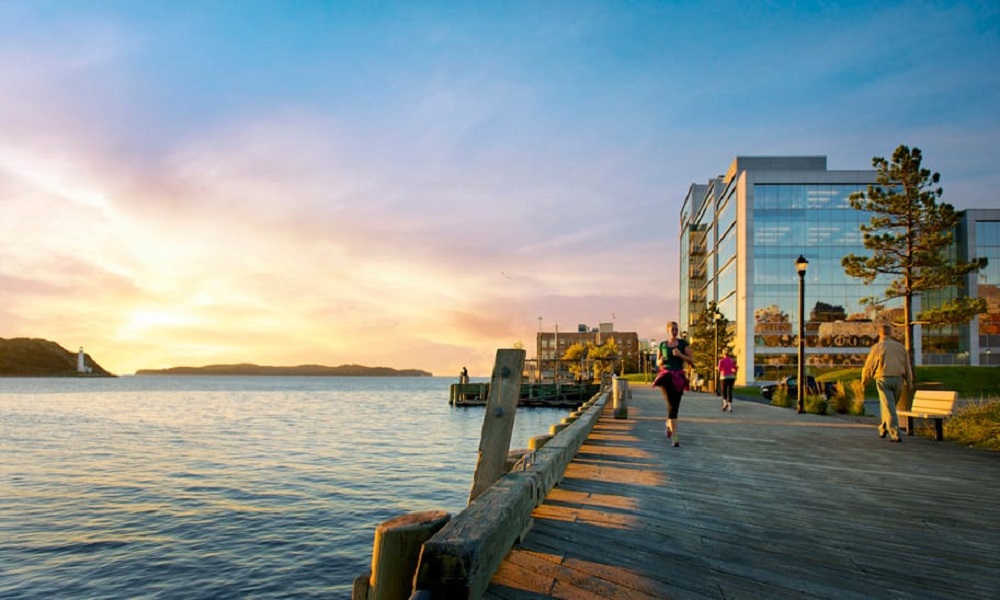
740 237
817 222
726 280
948 344
988 246
699 244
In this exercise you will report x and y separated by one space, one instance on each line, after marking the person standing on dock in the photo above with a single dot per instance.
463 377
671 356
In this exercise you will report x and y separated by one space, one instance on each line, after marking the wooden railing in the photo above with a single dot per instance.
432 555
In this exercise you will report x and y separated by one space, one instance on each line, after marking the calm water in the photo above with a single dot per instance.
222 487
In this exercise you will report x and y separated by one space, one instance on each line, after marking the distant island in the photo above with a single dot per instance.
34 357
300 371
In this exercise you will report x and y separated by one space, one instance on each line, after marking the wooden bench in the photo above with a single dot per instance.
929 404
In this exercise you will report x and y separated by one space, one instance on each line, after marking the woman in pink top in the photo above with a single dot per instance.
727 369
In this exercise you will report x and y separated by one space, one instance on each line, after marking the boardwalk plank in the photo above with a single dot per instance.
761 503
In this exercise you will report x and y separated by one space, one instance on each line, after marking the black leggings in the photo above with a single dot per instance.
669 384
673 404
673 398
727 389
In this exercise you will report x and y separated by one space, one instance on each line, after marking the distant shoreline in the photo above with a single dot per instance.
36 357
300 370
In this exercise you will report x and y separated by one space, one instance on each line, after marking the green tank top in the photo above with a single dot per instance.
674 363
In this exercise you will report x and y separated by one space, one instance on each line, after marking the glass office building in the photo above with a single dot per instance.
741 234
980 237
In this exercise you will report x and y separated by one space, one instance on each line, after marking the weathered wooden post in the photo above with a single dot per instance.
515 456
498 420
620 395
395 555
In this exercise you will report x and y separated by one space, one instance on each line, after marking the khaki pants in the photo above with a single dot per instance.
890 390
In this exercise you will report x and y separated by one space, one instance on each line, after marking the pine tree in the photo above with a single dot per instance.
706 348
909 235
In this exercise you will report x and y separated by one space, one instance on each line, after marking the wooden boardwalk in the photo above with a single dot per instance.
760 503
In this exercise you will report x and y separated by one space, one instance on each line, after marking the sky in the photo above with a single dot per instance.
418 184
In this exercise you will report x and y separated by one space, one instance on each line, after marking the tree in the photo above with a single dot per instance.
604 356
909 235
705 344
581 359
575 355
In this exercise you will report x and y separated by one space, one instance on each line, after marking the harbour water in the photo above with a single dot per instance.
222 487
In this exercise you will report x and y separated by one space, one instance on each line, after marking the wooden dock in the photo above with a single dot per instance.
556 395
760 503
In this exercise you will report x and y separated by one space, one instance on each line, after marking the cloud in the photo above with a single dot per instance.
413 189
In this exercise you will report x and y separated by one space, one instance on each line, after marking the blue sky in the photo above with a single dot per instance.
413 184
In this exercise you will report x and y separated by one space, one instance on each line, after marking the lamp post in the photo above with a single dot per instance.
650 358
715 366
800 265
538 353
555 372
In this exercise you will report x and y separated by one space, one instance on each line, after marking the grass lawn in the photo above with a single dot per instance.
978 383
973 383
976 424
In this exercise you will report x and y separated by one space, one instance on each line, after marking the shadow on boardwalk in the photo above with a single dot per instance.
760 503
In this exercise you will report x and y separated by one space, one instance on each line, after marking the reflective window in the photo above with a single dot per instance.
727 279
988 246
817 222
727 213
727 247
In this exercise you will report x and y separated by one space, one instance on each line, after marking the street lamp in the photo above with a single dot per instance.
715 378
538 353
650 358
800 265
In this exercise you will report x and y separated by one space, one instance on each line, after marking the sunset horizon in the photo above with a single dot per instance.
416 185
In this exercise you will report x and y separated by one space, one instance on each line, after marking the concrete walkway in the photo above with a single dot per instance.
760 503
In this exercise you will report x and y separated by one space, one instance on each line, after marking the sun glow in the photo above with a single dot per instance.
142 323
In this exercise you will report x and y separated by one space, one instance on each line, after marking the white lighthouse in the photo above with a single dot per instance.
81 362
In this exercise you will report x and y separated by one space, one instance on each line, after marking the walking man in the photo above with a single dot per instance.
888 364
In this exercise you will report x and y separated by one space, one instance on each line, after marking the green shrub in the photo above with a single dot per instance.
844 403
857 389
815 404
976 424
839 402
781 398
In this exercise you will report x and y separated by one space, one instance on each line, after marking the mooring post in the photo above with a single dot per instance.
396 553
620 395
536 442
498 420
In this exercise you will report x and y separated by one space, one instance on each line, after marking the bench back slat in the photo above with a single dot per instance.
932 401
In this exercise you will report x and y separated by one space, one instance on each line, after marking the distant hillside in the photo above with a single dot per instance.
31 357
301 370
